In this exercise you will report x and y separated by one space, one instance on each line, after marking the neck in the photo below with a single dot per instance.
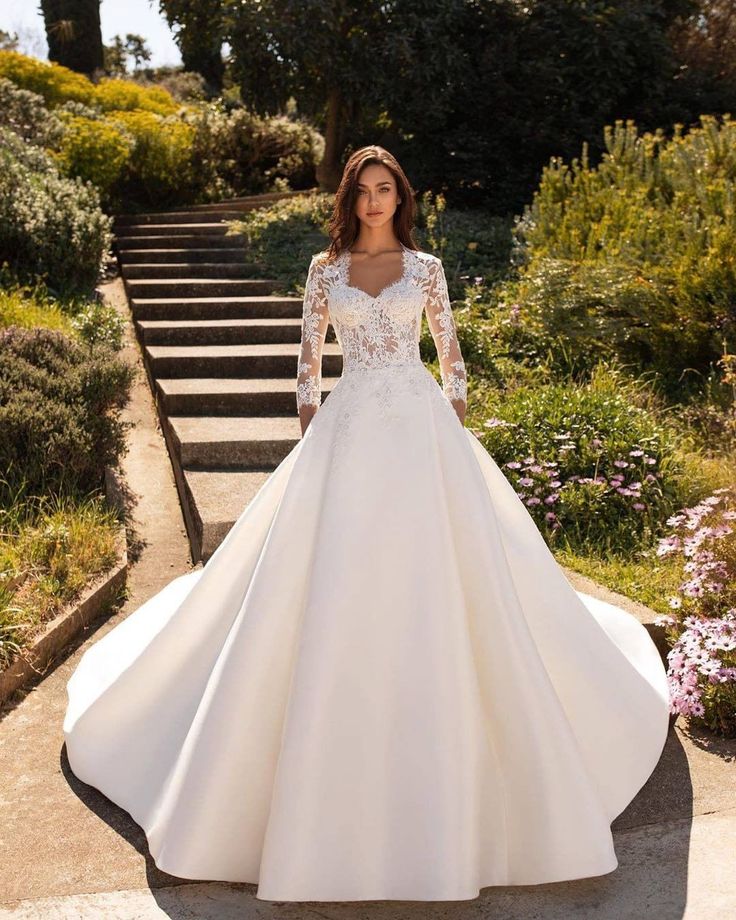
373 243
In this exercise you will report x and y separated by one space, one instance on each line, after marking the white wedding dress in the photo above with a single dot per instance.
381 685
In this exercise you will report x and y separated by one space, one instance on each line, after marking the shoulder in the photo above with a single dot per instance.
427 257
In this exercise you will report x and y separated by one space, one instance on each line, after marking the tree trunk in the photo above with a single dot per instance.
329 171
74 34
205 61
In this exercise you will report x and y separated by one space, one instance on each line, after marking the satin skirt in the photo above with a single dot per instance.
381 685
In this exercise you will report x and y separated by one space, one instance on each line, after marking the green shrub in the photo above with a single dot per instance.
238 152
597 471
57 430
50 226
95 151
160 165
125 95
56 84
30 307
24 113
50 547
636 256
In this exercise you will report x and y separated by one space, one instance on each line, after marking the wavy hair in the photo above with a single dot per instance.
344 224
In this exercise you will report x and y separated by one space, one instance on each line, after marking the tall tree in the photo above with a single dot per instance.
339 61
198 29
74 34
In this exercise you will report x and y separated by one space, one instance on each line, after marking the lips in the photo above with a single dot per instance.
374 213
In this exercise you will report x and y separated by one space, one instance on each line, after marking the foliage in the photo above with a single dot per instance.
96 151
702 625
199 31
281 238
50 226
53 82
50 547
120 50
635 257
160 164
596 469
57 84
57 430
30 306
236 152
25 113
126 95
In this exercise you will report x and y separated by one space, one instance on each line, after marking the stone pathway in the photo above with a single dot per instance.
68 852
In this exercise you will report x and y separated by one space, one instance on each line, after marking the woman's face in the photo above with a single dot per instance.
377 197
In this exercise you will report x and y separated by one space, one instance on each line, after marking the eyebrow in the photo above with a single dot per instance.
385 182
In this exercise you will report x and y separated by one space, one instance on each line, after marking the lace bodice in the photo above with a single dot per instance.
377 331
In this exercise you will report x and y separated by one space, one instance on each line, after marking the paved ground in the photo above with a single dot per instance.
67 852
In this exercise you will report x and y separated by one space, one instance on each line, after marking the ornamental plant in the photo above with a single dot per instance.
702 625
597 472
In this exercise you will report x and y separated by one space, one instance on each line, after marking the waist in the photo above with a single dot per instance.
415 365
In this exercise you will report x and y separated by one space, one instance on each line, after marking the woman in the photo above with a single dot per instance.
381 685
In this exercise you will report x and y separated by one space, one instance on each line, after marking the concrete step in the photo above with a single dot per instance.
178 255
212 270
178 217
214 499
201 228
180 240
197 287
233 442
195 308
219 331
231 395
268 360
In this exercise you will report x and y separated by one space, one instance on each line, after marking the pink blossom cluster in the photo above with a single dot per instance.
700 528
538 481
702 662
704 654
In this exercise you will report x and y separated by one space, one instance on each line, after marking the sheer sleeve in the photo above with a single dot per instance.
442 327
315 318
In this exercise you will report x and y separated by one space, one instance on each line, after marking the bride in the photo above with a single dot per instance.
381 685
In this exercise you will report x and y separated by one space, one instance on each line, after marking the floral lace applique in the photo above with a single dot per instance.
380 332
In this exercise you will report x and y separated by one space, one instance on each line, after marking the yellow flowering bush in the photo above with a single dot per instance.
124 95
161 160
55 83
95 150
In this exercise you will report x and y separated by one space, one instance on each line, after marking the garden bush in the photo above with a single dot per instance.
636 256
50 226
596 470
159 168
702 625
127 96
57 427
237 152
95 151
56 84
25 113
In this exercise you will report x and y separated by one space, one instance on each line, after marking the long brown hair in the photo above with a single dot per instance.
344 224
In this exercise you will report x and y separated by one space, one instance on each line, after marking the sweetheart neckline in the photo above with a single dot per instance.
402 276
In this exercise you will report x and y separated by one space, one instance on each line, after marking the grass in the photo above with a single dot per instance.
51 547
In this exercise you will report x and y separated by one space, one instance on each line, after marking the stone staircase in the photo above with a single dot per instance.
221 355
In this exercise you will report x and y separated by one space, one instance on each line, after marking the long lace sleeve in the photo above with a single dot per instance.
315 318
442 327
